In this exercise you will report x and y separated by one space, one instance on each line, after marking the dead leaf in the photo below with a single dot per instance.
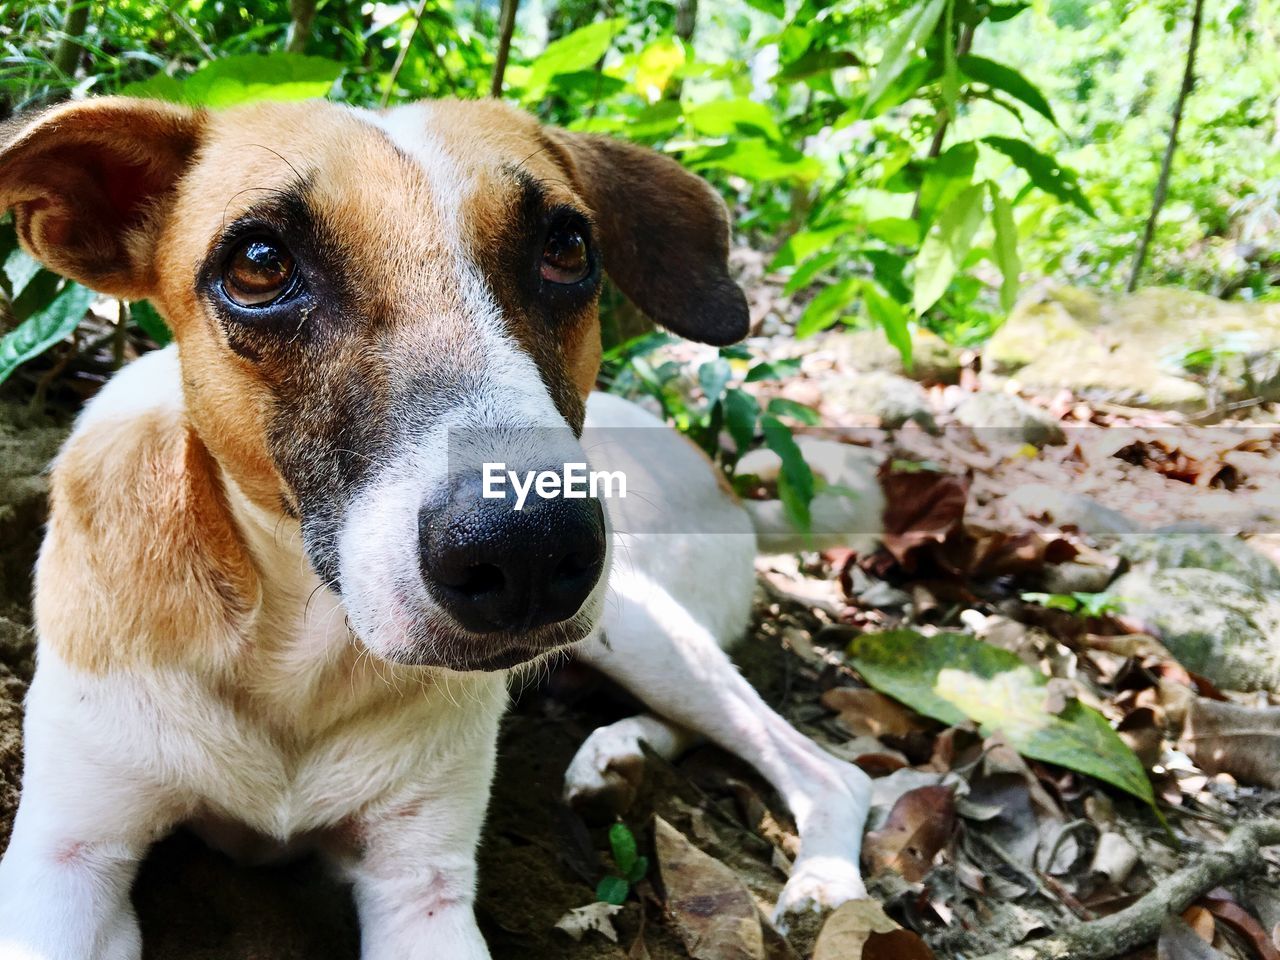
921 507
865 712
846 931
1179 942
1229 738
1201 922
594 916
919 825
1224 908
896 945
713 911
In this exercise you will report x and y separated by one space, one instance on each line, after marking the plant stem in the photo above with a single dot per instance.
944 119
1162 184
67 57
507 27
303 14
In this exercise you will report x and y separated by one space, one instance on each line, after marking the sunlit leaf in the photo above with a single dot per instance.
713 376
722 118
891 317
755 159
40 331
1010 81
1005 247
954 677
20 268
245 78
827 306
945 247
805 243
1045 171
911 34
575 51
656 65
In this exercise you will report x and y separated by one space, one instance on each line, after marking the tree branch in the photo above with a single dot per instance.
507 27
74 22
1140 923
303 14
940 131
1166 165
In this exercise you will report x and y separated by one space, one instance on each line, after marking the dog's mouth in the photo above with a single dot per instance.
463 652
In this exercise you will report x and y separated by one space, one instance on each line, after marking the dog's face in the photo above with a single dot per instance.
368 306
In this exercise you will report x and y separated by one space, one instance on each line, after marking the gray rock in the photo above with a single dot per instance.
1220 552
892 399
1214 623
932 358
1011 415
1076 578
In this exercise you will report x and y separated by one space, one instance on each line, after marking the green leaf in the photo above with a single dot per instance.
1045 172
1005 247
795 479
638 870
613 890
773 370
574 51
946 177
953 677
623 843
782 407
656 65
150 322
40 331
891 317
915 27
898 231
809 270
245 78
723 118
1000 77
826 306
755 159
713 377
775 8
20 268
741 412
805 243
945 248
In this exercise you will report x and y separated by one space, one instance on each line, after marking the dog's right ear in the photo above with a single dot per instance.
87 182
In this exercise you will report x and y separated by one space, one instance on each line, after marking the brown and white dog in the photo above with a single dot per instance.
270 603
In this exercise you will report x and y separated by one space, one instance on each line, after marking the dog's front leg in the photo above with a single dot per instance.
415 877
83 825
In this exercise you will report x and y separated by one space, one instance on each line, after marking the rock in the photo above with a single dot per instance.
1010 415
1214 623
1076 578
892 399
1219 552
1069 509
933 360
1133 348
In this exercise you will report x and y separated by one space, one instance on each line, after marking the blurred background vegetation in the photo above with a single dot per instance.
902 164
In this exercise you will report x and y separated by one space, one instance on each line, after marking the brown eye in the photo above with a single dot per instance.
258 272
565 258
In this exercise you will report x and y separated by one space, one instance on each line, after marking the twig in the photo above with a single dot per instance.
404 52
70 48
506 29
1140 923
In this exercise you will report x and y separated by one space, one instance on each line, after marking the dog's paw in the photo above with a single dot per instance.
817 884
606 772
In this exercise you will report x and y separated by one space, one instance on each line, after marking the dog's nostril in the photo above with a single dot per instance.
574 565
478 580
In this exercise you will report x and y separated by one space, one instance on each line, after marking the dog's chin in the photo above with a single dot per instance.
460 651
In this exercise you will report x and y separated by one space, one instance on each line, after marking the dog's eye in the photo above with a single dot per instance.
258 272
565 258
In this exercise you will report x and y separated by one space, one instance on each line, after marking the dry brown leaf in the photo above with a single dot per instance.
865 712
1179 942
713 911
1201 922
922 507
846 931
1224 908
1229 738
896 945
919 825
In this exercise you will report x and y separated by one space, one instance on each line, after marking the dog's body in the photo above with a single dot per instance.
267 603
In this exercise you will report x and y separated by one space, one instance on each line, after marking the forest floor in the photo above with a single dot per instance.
1126 555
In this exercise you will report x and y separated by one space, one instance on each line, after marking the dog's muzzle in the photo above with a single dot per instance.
496 569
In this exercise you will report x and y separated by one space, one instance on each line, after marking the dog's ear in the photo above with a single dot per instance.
664 234
86 182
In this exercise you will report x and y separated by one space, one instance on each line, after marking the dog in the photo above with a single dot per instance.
273 602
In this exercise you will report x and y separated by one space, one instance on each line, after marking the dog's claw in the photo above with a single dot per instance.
817 885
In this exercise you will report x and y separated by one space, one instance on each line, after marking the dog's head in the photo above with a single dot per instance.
368 306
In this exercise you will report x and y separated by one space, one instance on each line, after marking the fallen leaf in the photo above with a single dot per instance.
921 507
1230 738
953 677
594 916
1179 942
846 931
713 911
866 712
1224 908
1201 922
919 825
896 945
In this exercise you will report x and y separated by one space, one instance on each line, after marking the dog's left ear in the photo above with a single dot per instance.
87 181
664 234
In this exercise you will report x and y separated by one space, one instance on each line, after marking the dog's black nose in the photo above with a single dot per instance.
496 568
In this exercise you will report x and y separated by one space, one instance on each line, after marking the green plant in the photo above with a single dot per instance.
631 866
